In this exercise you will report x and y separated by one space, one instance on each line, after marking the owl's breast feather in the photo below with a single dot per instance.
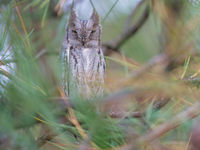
88 55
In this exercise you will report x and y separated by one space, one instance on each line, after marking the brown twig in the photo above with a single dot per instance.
127 33
118 114
120 96
137 114
72 116
23 25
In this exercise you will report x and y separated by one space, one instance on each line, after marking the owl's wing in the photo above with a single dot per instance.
98 88
64 55
103 64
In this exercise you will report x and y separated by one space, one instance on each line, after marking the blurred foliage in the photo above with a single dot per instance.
35 115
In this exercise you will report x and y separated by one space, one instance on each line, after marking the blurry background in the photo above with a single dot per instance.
152 79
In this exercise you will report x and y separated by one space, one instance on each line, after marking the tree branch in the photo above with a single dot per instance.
127 33
132 14
148 138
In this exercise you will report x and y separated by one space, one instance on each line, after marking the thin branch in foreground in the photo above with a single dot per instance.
137 114
110 11
190 113
72 118
92 4
148 138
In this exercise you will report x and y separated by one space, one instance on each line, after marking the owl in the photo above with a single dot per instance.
83 64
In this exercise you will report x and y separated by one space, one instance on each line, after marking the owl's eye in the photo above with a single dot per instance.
74 31
93 31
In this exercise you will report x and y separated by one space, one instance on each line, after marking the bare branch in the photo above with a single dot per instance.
118 114
156 106
121 96
129 32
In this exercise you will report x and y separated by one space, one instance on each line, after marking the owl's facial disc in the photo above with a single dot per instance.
81 35
84 33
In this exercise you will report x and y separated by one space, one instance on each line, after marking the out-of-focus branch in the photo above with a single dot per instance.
119 114
156 106
190 113
44 138
116 99
127 33
161 60
132 14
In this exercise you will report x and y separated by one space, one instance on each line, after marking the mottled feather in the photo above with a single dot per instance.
82 57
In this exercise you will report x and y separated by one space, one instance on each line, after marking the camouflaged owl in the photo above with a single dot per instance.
82 57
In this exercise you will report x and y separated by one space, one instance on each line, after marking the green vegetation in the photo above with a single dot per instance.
153 78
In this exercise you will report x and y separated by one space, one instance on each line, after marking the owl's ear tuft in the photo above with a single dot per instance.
73 18
95 17
73 14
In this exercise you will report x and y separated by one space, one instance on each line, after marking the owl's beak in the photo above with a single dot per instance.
83 39
83 43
